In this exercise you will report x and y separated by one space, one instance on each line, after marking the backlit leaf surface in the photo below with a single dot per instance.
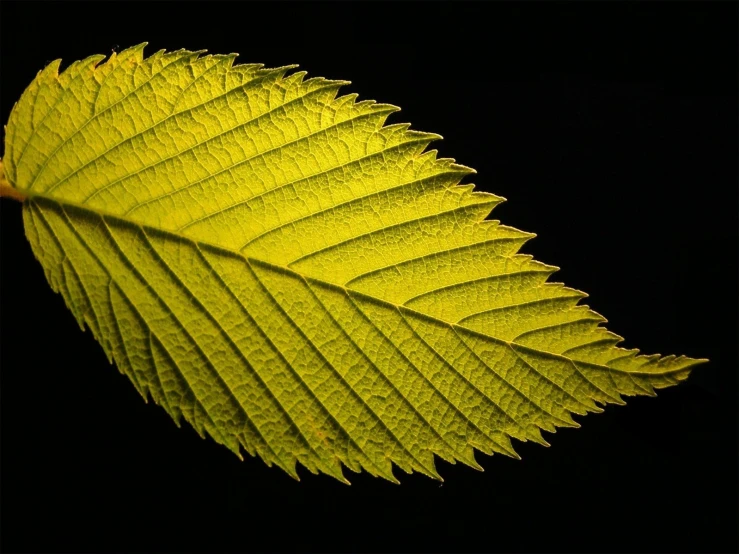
271 262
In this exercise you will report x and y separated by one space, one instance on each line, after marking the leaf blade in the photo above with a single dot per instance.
295 277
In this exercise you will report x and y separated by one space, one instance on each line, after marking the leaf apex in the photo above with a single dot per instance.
391 478
476 466
285 68
137 47
51 68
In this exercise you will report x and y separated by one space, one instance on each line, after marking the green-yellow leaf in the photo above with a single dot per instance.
275 265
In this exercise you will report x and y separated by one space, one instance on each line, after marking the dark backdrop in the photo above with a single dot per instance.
612 130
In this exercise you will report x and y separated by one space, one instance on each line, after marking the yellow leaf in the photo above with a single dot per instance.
293 277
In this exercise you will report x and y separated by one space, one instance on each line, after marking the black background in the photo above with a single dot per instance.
612 130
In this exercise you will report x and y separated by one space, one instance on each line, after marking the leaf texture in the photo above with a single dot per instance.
274 264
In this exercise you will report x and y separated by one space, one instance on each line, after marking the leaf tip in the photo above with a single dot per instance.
394 480
435 476
285 68
52 68
138 47
344 481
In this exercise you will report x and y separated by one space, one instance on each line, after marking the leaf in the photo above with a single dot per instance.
275 265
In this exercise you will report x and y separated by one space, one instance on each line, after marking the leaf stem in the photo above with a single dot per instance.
7 190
